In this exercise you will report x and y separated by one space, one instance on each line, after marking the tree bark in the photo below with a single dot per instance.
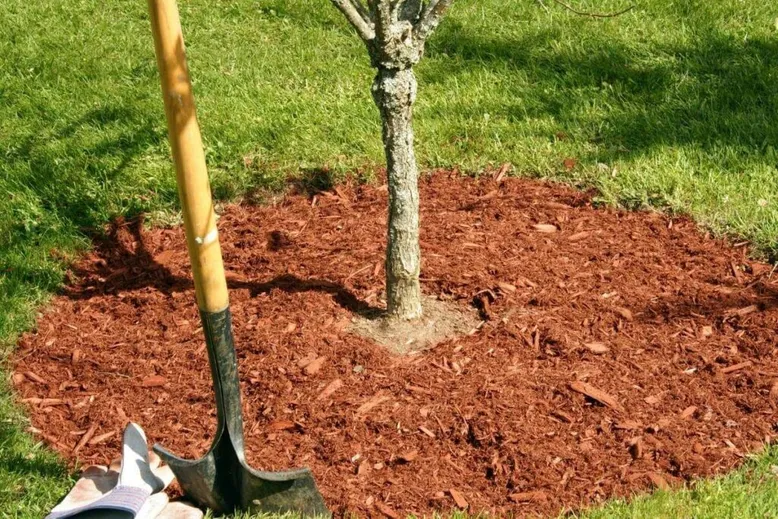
394 92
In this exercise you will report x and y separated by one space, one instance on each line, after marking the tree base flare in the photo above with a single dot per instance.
441 321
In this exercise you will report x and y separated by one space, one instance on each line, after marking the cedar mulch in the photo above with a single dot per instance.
619 351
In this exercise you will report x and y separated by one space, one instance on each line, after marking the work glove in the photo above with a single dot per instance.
132 487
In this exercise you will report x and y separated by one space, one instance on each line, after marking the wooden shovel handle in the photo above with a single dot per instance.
192 177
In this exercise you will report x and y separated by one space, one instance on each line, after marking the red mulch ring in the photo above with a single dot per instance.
622 350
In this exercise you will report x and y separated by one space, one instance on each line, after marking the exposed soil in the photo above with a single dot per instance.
670 333
442 320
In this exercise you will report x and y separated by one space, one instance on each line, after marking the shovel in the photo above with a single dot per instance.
221 480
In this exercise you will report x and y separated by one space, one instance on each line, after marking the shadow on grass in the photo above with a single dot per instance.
64 179
27 467
65 167
312 181
710 90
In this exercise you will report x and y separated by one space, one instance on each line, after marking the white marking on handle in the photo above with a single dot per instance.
208 238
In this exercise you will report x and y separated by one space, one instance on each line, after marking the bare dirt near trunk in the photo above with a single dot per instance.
442 320
620 350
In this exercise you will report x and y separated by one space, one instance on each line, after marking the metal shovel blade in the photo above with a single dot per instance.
222 480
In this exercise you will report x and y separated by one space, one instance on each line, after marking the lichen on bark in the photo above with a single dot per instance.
394 92
395 32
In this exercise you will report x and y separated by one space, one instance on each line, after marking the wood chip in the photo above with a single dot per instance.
636 448
373 402
68 384
459 498
745 311
315 366
281 425
561 415
545 227
76 356
652 400
154 381
417 389
502 171
506 287
306 360
290 328
579 236
488 196
163 257
688 412
535 496
384 509
85 438
737 367
83 403
774 392
736 272
485 306
426 431
51 440
363 469
330 389
18 379
627 425
624 312
596 394
44 402
97 440
658 481
597 348
408 456
33 377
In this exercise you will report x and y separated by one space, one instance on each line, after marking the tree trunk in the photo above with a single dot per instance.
394 92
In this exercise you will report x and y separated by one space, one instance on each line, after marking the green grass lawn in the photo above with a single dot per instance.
672 105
